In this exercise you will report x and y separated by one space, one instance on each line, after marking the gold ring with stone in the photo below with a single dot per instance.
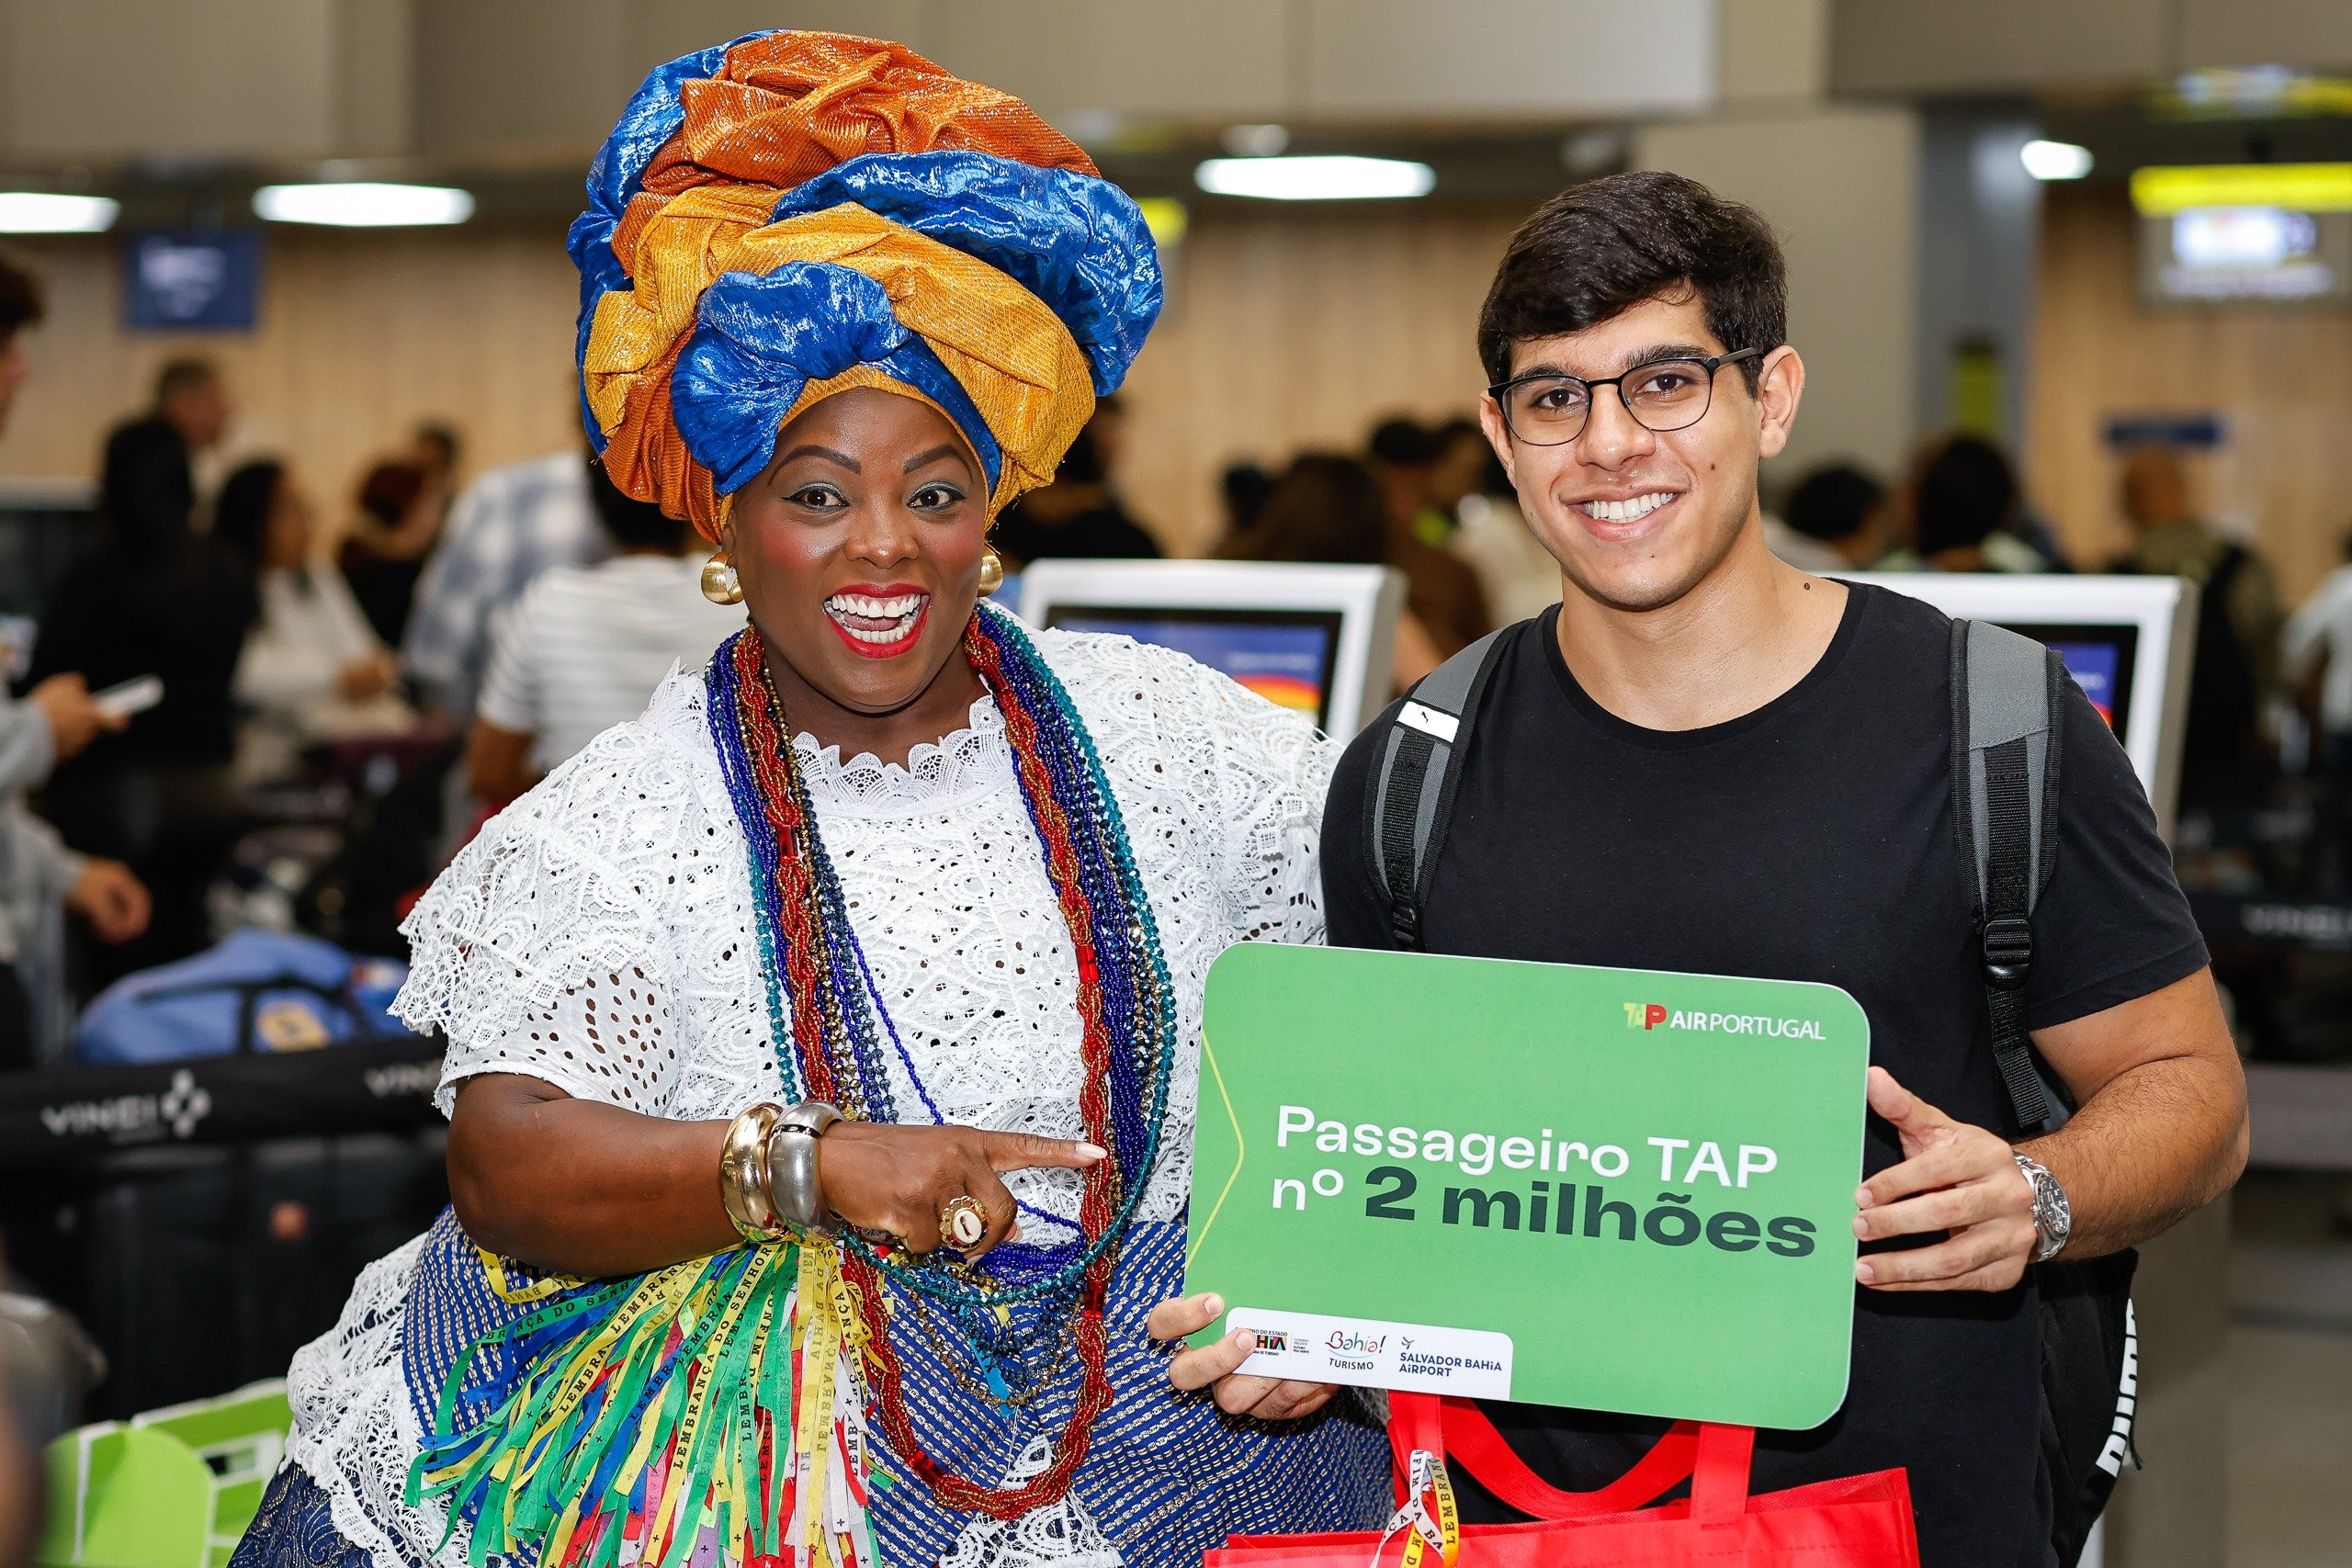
963 1223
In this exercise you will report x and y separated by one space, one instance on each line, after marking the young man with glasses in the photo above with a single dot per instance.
1707 760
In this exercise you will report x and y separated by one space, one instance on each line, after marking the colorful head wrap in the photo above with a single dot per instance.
795 214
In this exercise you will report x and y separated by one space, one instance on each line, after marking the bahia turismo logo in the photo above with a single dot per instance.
1654 1016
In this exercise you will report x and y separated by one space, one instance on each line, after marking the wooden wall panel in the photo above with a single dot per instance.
1294 329
2280 375
1284 329
360 337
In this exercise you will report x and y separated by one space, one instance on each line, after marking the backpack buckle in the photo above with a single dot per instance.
2007 948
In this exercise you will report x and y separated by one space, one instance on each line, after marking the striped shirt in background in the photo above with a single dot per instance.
507 526
584 648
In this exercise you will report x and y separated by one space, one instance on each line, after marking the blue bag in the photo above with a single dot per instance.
254 991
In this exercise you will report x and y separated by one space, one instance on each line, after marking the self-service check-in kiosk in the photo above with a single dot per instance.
1317 638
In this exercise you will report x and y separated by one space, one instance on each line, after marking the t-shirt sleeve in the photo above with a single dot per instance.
510 695
2112 925
1353 912
543 949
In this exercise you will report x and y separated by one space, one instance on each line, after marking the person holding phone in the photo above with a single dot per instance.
40 879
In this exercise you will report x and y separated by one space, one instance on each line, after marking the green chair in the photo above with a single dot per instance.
173 1488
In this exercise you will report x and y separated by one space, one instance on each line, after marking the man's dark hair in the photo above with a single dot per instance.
1599 249
632 525
184 375
1404 444
21 302
1965 492
1833 502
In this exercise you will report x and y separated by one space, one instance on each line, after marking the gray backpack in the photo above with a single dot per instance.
2006 752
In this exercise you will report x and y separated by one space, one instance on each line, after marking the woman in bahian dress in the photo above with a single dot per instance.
890 856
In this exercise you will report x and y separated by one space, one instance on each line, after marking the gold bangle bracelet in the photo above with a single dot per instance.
744 1172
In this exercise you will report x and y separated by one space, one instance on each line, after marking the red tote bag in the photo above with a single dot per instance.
1860 1522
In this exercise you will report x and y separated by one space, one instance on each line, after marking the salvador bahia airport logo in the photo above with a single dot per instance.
1657 1015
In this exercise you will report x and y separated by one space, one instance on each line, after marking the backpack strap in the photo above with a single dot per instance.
2005 706
1412 788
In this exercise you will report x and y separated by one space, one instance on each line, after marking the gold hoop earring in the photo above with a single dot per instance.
992 572
719 584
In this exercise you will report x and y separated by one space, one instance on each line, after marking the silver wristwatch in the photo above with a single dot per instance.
2051 1217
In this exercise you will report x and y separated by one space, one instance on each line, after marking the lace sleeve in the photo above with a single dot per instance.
544 949
1272 771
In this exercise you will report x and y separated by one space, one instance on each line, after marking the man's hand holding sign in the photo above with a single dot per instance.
2157 1084
1518 1234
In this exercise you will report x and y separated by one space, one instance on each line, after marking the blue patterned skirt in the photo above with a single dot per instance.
1167 1475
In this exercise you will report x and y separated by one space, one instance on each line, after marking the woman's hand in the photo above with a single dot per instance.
879 1177
1212 1365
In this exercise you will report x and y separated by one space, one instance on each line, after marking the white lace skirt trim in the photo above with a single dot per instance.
356 1432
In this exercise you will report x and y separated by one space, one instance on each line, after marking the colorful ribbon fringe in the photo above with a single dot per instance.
652 1424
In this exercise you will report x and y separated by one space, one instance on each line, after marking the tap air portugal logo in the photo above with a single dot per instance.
1653 1016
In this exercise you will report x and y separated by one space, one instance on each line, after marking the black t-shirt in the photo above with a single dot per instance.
1810 840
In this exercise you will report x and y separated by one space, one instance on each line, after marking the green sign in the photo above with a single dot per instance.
1611 1189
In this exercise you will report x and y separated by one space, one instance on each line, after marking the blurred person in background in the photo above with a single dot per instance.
151 461
1964 500
510 525
397 521
2238 625
584 648
1442 589
1329 507
1326 507
153 597
435 451
2317 644
1517 575
41 880
1403 456
1835 521
1242 490
1079 516
312 668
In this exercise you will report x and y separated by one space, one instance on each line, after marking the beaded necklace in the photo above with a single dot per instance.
829 1046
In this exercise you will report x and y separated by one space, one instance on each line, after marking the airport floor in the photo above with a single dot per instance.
2290 1372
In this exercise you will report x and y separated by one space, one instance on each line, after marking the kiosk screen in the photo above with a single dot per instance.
1286 656
2099 658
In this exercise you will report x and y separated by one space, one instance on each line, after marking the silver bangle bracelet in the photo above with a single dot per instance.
794 1190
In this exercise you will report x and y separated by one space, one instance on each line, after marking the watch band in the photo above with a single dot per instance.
2053 1217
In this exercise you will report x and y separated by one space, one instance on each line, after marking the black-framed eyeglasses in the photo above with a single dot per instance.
1544 408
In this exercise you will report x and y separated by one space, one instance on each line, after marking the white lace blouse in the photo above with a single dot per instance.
599 935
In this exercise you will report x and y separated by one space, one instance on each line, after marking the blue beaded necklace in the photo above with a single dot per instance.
809 953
